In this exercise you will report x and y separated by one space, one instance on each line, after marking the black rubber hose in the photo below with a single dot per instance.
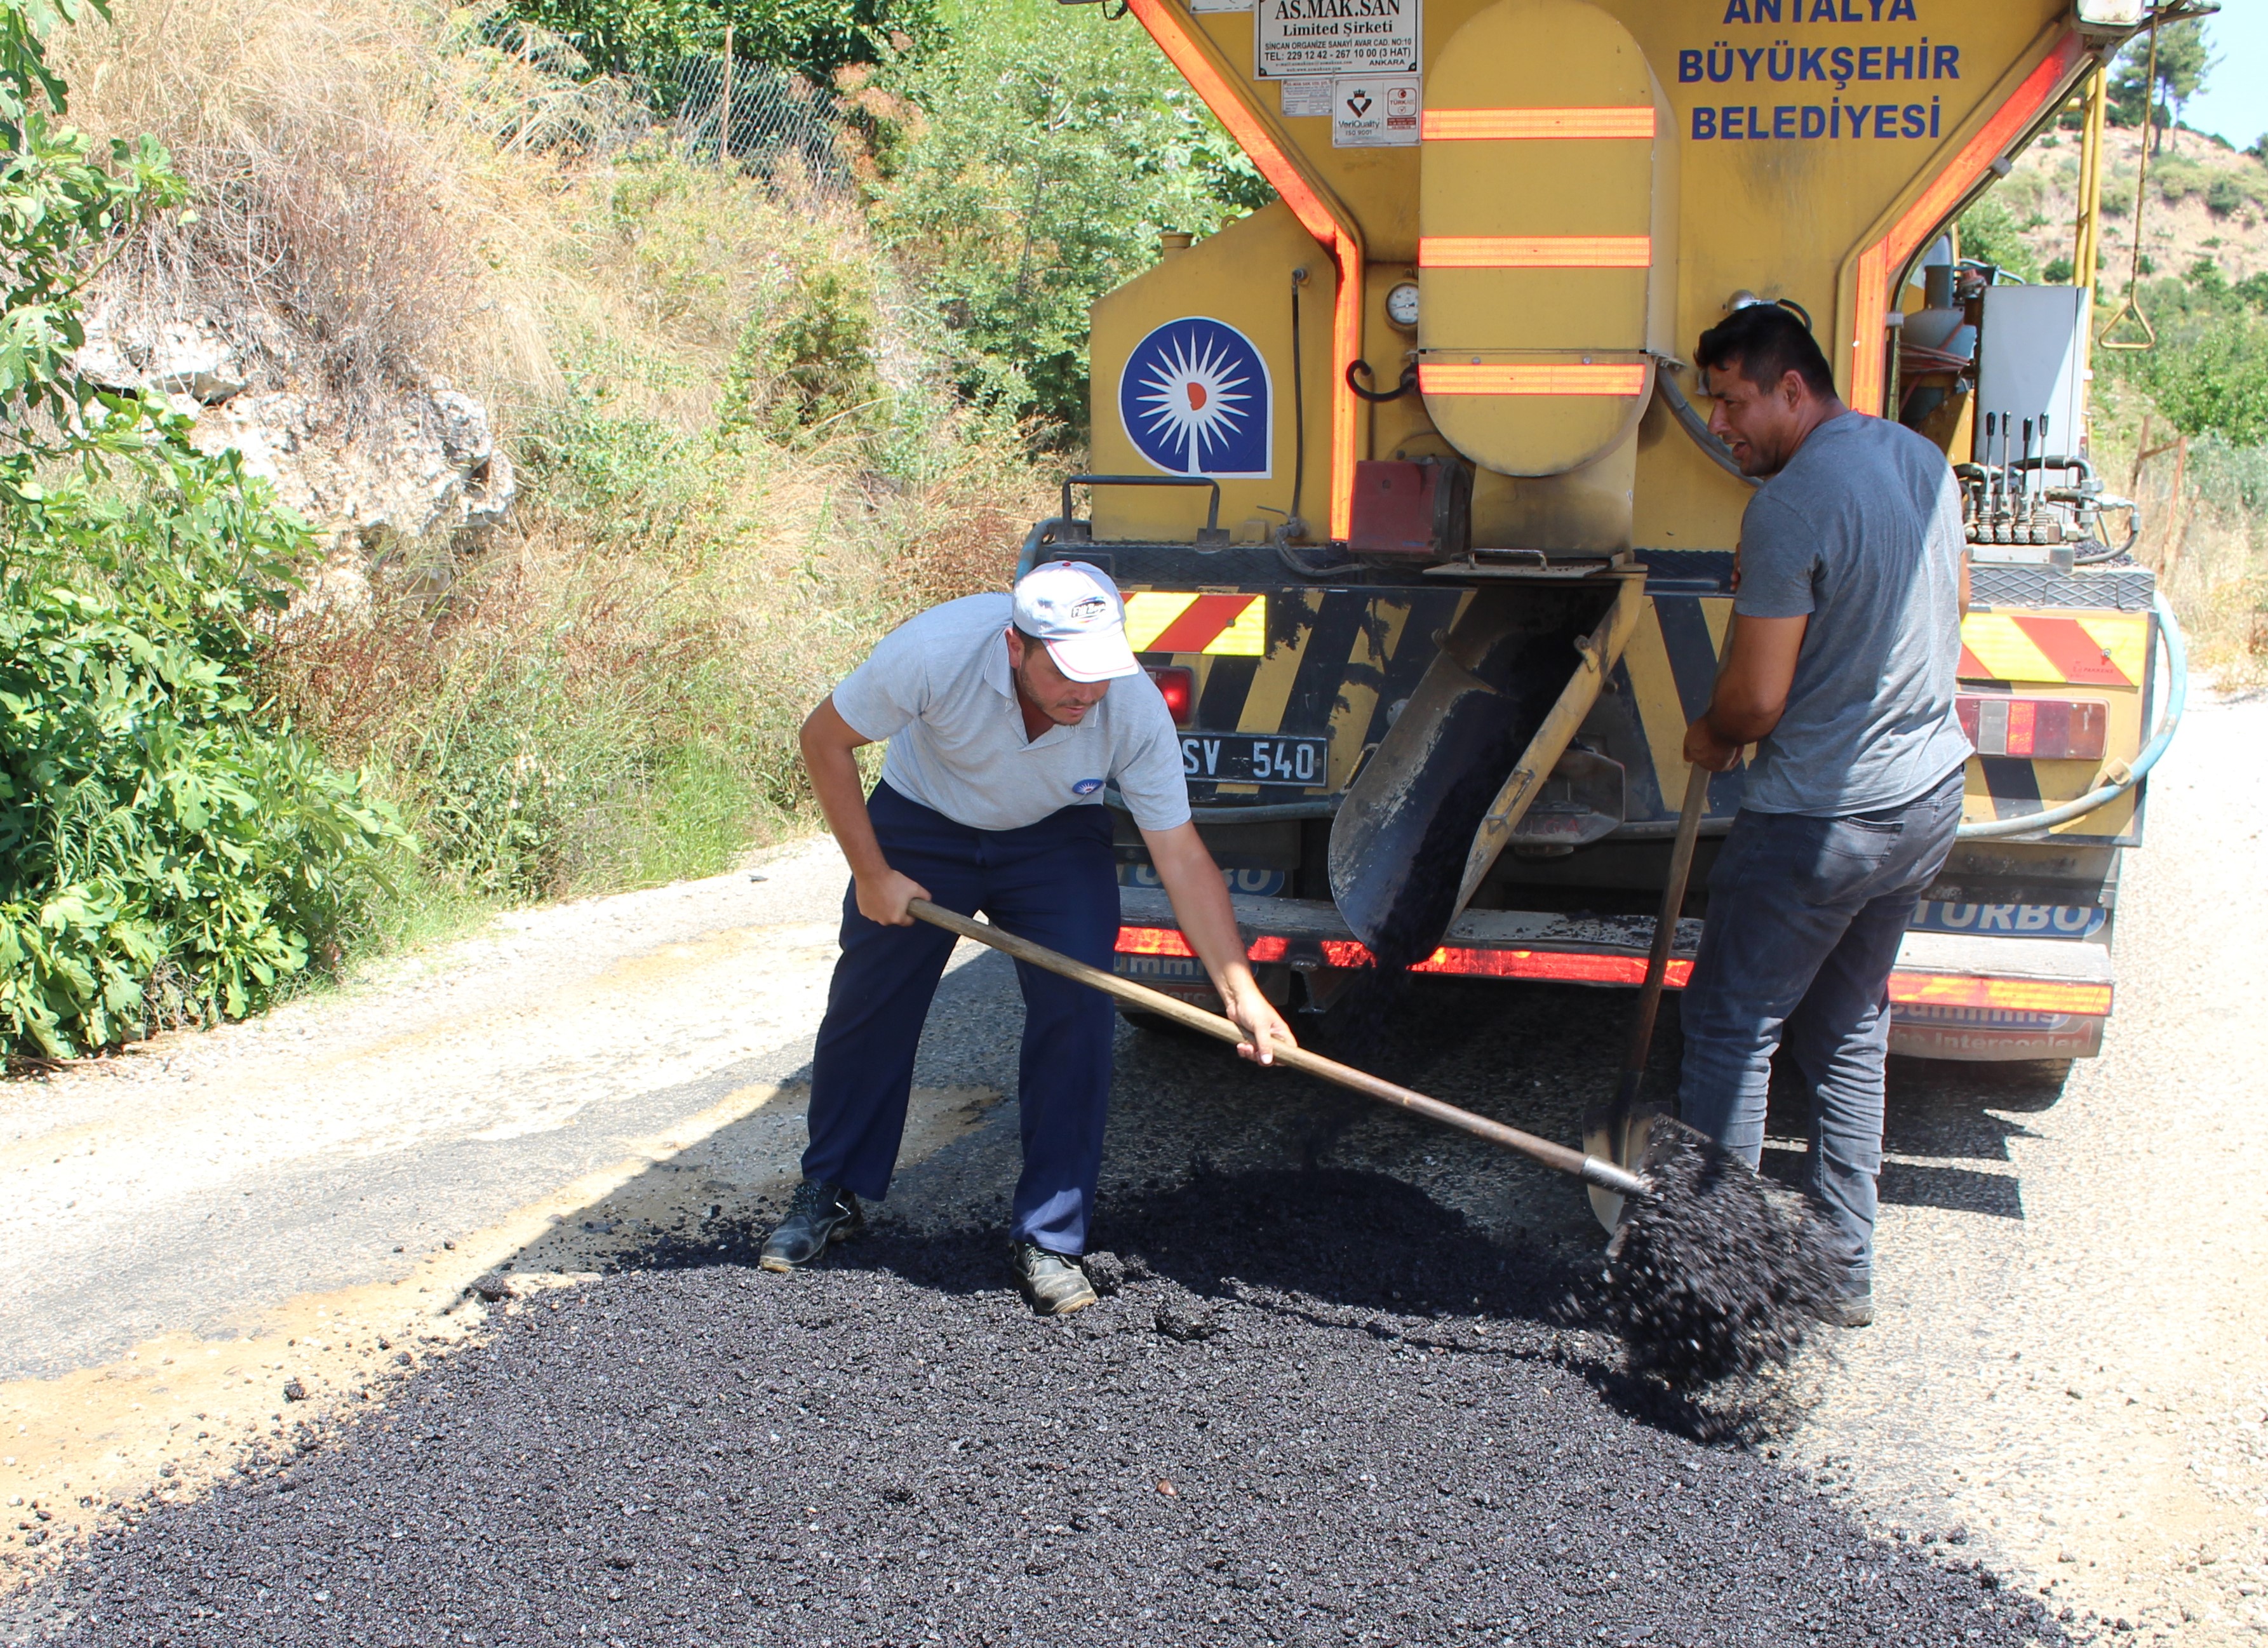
1694 425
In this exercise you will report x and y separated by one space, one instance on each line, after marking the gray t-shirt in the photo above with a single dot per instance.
939 689
1861 532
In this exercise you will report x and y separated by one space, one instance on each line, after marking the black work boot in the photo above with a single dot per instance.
817 1214
1053 1282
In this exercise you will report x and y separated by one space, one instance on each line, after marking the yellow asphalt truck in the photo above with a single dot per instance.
1408 482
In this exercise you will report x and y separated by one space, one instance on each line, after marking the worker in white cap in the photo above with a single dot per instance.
1007 716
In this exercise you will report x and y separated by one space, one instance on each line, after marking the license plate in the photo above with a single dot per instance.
1254 758
1259 883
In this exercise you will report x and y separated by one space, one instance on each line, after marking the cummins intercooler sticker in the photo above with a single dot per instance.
1333 37
1194 398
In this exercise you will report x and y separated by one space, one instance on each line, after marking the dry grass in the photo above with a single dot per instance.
607 693
327 236
2200 533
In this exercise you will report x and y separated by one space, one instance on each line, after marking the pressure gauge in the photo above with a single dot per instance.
1402 305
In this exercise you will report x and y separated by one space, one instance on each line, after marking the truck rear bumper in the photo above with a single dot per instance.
1954 995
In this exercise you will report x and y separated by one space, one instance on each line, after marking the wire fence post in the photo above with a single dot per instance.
763 121
725 126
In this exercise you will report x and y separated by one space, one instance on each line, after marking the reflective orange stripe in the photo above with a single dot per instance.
1186 48
1560 966
1440 378
1534 251
1879 262
1943 990
1555 967
1486 125
1170 620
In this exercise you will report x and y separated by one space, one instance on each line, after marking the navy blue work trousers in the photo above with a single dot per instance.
1055 883
1805 916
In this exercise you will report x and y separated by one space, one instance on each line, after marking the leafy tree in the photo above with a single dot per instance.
2208 373
2184 63
1045 150
1991 234
648 37
166 849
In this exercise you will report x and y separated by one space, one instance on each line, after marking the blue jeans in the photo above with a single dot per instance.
1055 883
1805 916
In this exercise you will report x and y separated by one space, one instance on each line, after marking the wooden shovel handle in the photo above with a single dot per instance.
1589 1168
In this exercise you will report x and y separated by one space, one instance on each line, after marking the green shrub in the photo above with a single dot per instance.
1991 232
807 372
166 852
2208 371
167 848
647 37
1045 149
2225 195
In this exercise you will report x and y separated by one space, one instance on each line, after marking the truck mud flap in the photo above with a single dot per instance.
1441 795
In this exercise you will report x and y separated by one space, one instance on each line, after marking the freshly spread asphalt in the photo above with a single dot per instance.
1320 1408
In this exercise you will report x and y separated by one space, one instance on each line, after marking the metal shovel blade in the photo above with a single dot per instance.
1622 1135
1401 839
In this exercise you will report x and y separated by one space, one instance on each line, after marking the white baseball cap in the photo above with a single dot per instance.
1074 609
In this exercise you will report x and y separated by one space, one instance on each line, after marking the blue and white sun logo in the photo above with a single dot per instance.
1194 397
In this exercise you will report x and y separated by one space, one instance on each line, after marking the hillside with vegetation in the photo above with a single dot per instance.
2181 425
720 335
755 405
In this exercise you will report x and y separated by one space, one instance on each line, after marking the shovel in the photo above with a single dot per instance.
1618 1131
1601 1175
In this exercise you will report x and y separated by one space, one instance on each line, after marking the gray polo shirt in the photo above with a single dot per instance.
1862 533
939 690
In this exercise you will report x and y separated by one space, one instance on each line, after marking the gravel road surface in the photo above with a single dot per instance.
1274 1434
2066 1384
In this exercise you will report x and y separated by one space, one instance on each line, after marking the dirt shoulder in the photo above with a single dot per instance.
2066 1375
2078 1378
221 1239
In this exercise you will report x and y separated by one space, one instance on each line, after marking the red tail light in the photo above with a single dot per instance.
2042 729
1178 687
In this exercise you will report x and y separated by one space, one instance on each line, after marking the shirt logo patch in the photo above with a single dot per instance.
1086 786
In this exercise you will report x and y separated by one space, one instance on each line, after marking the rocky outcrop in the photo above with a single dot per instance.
416 468
424 469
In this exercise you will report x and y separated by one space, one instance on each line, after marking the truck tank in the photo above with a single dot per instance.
1408 483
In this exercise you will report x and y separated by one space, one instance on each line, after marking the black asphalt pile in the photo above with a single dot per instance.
1318 1410
1720 1275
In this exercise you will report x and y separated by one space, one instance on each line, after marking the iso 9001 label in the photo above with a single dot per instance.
1254 758
1305 38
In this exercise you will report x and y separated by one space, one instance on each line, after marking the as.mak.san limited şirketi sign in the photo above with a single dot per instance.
1333 37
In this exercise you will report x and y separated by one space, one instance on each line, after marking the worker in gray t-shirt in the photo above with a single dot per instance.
1851 580
1007 716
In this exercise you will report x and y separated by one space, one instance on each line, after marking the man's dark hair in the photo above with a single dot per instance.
1763 342
1030 639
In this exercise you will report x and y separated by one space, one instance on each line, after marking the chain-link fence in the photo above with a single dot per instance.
535 91
765 121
